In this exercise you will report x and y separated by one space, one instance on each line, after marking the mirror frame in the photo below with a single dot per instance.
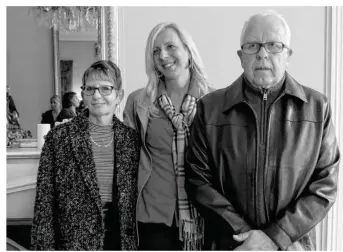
107 25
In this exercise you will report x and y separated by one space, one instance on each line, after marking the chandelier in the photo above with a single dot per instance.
69 18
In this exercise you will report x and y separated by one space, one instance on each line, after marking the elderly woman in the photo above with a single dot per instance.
50 116
162 113
87 176
70 103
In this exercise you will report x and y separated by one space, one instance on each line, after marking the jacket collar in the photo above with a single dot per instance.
234 93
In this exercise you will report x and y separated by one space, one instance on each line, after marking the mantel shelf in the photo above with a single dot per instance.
22 153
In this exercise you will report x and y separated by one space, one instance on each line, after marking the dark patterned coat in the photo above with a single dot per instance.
67 212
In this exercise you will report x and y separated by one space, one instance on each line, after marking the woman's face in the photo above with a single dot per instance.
75 101
171 57
101 105
55 104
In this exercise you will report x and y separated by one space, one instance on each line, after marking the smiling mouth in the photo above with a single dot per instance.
167 65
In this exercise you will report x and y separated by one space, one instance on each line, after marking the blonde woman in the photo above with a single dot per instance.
162 113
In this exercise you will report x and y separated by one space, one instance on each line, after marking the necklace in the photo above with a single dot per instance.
104 146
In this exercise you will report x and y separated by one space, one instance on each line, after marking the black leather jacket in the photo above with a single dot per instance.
299 177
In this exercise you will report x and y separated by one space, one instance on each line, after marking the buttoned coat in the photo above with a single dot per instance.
68 210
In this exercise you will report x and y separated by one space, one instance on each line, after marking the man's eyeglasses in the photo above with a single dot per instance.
271 47
103 90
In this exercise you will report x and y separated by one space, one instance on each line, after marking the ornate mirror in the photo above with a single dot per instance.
97 43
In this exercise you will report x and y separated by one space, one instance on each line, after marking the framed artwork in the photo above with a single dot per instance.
66 67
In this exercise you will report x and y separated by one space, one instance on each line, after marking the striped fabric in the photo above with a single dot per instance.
103 158
191 226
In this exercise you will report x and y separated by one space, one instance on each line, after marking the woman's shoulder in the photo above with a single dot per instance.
211 89
125 131
47 113
135 94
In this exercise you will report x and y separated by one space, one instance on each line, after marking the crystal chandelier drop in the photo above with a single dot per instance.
69 18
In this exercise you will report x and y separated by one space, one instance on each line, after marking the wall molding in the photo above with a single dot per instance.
21 184
329 230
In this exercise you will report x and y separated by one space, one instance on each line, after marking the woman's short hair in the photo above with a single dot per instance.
66 99
104 70
55 97
195 65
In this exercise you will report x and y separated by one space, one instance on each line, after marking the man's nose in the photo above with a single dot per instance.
262 53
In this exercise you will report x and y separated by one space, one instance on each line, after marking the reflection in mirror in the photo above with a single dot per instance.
74 52
77 51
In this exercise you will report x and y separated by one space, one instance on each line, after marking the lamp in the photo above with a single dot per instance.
69 18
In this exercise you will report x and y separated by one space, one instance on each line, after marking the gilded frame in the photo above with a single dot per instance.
107 32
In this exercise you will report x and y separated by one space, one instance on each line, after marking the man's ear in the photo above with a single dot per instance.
240 55
289 54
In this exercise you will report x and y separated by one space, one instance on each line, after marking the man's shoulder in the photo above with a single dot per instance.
306 93
313 95
214 95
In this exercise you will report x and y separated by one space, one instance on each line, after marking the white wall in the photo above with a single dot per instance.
216 32
83 55
29 64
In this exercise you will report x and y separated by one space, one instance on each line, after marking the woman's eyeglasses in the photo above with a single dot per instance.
103 90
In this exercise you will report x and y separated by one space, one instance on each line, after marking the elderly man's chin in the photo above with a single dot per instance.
264 81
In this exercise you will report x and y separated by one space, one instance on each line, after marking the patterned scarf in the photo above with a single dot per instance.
191 224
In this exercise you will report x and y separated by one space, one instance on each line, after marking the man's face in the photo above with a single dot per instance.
263 68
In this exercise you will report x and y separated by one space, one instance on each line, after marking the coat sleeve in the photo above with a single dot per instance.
43 232
317 198
199 182
128 114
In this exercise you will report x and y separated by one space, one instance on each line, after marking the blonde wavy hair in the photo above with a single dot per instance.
196 66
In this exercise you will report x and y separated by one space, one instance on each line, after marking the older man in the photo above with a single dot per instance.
263 156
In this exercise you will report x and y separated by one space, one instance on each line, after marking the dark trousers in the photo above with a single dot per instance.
112 232
158 236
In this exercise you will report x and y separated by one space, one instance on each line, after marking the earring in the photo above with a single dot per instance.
190 63
158 74
117 110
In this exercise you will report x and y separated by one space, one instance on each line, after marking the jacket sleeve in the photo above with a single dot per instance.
128 114
43 233
199 182
317 198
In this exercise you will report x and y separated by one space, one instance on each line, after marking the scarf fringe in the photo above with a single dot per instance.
191 233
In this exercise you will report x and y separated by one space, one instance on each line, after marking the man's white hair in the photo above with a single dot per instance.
268 13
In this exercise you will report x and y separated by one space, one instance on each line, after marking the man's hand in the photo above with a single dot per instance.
255 240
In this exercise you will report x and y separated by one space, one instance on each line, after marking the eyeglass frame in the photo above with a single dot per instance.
263 45
98 88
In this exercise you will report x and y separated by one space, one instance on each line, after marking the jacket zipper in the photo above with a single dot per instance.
258 165
264 104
